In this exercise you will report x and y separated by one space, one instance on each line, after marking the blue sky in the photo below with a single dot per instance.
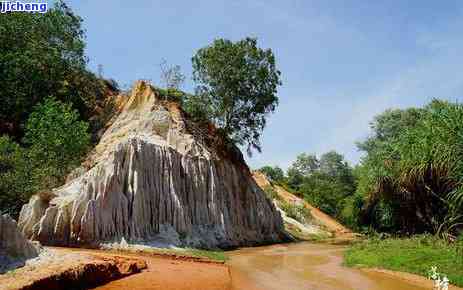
342 62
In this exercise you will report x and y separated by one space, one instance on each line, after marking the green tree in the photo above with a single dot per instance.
295 178
237 84
389 125
412 179
15 182
57 140
327 182
275 173
42 55
304 166
334 165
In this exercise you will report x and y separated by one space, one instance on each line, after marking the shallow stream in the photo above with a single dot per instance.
305 266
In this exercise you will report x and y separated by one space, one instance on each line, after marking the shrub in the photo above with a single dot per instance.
327 182
412 173
350 211
271 192
57 140
296 211
171 94
15 182
275 173
43 55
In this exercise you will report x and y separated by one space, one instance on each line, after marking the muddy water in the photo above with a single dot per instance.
305 266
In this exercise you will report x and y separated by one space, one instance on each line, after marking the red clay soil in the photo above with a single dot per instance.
71 270
86 269
165 273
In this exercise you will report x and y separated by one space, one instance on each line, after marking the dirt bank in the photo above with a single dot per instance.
62 269
169 273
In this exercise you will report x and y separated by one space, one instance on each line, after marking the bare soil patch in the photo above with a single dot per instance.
61 269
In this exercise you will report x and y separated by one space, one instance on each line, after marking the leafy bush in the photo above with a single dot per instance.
15 182
327 182
275 174
414 166
297 211
43 55
271 192
171 94
350 211
57 140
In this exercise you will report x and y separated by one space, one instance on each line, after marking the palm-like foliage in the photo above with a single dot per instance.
419 170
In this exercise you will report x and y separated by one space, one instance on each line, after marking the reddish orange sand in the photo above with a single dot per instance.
169 274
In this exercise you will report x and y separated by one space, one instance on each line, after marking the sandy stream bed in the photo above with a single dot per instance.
280 267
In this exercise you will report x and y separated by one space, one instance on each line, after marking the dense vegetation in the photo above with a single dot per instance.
411 176
408 183
409 180
327 182
52 105
42 55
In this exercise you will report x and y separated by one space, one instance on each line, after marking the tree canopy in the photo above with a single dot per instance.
412 170
236 88
43 55
326 182
49 100
275 173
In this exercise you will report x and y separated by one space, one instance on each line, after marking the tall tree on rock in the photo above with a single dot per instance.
236 88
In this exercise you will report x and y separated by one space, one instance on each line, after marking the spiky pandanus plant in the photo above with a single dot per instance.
420 171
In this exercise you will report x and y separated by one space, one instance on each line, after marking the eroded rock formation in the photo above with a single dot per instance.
156 176
14 247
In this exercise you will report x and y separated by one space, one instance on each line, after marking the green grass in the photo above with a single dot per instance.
218 256
213 255
414 255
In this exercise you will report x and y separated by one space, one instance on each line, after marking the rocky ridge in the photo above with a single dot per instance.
156 177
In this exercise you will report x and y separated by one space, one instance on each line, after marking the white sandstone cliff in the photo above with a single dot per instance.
15 249
156 176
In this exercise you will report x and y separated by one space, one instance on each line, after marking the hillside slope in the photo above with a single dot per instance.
321 223
157 178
